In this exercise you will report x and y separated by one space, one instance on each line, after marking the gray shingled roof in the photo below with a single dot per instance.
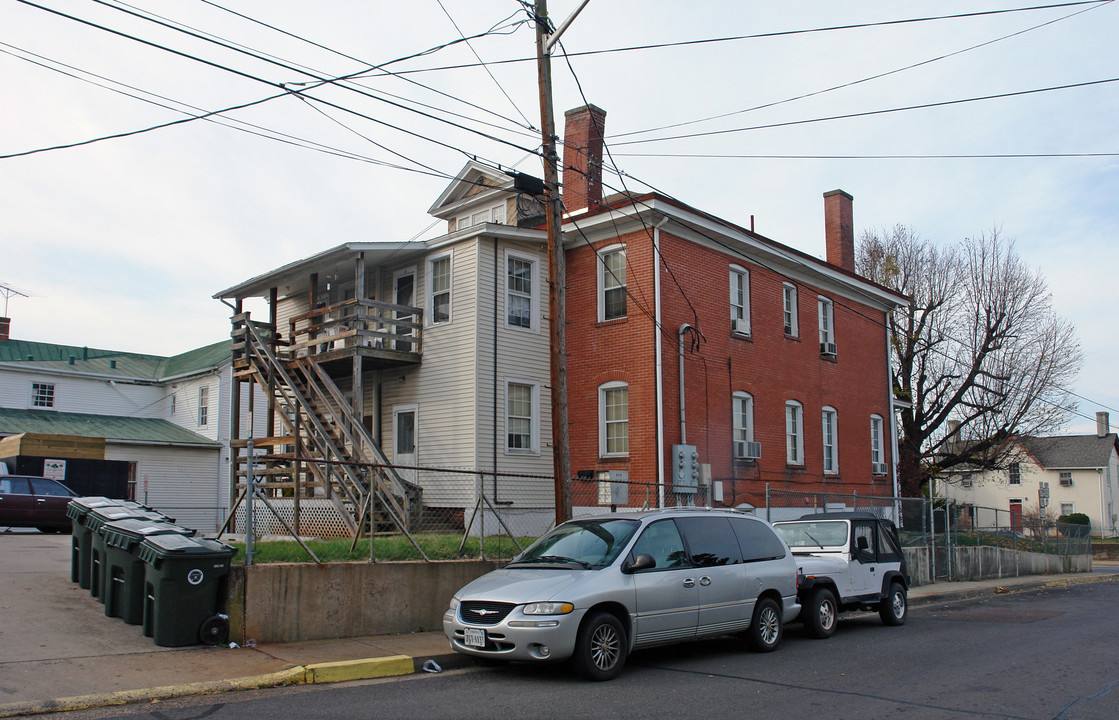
1071 451
110 427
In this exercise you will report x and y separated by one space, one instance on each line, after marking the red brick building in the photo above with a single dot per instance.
768 365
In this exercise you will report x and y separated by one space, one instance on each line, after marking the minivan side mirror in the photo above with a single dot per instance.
643 561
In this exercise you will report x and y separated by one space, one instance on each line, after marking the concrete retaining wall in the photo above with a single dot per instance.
289 602
977 563
303 601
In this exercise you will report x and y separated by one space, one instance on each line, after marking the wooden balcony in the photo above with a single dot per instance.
383 333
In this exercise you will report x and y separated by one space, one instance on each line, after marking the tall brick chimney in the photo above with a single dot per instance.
1103 424
5 328
839 229
582 157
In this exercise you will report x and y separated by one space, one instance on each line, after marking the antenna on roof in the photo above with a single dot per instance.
8 292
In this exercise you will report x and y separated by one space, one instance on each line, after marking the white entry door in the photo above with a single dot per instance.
404 440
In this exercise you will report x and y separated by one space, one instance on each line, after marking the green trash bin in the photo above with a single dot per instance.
123 579
182 577
81 540
95 520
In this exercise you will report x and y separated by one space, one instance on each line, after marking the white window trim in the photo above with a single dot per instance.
612 385
203 406
827 319
429 294
600 262
534 294
35 396
829 426
790 306
740 312
794 443
877 452
748 431
534 432
1061 505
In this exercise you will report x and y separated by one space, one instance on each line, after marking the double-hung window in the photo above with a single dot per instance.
613 413
520 291
794 433
203 405
612 283
831 441
877 452
521 413
1014 474
439 289
827 326
739 300
743 424
789 299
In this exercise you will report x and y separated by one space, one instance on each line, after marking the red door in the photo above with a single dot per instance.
1016 516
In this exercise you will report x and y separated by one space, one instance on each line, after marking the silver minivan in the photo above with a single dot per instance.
594 589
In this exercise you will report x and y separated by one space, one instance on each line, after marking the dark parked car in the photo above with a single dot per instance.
38 502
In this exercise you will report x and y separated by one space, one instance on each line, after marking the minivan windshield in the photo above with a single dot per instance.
585 543
813 534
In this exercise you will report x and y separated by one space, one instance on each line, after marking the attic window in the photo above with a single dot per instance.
42 395
1015 474
495 214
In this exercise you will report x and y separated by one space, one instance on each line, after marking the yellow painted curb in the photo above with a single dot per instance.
292 676
360 669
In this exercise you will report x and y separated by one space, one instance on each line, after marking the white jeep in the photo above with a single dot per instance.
846 561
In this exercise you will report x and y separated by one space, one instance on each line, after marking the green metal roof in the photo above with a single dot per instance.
86 360
110 427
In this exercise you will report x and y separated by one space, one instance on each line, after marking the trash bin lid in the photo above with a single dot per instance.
78 508
161 547
125 534
98 517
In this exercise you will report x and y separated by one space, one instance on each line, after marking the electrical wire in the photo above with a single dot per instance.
869 113
852 83
987 156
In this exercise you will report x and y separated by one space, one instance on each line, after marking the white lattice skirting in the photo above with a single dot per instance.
318 517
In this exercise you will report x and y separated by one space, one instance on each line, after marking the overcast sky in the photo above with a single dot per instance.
120 244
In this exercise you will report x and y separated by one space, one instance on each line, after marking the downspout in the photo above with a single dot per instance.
893 424
496 291
658 360
683 425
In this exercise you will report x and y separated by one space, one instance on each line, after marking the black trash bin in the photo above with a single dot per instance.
95 520
123 578
182 578
81 541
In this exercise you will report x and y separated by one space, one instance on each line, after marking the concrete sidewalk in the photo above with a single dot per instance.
59 652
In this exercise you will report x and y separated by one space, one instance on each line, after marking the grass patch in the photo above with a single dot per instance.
440 546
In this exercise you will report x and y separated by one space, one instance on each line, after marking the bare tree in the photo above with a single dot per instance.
978 351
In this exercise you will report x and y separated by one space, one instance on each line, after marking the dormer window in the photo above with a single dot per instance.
494 214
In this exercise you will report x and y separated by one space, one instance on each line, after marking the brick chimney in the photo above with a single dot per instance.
582 157
1103 424
5 328
839 229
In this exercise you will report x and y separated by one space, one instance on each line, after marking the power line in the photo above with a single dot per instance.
868 113
781 33
989 156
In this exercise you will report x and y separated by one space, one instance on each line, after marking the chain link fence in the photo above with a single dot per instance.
465 513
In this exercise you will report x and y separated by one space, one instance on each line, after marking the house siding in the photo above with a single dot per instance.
183 483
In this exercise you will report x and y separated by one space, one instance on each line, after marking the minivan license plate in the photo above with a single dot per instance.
474 637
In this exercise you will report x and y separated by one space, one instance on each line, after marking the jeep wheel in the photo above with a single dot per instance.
894 608
600 649
764 634
820 613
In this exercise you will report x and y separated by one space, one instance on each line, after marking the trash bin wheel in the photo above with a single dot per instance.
215 630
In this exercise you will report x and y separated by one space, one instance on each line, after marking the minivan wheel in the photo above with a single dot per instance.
765 630
894 608
820 613
600 649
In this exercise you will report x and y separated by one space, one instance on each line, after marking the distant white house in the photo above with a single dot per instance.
146 427
1082 472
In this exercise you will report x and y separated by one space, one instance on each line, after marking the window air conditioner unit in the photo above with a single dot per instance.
966 483
740 326
879 468
744 450
827 349
1066 482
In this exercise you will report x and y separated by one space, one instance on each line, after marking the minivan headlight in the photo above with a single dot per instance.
548 608
454 604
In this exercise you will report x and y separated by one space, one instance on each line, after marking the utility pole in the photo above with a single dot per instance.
557 274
